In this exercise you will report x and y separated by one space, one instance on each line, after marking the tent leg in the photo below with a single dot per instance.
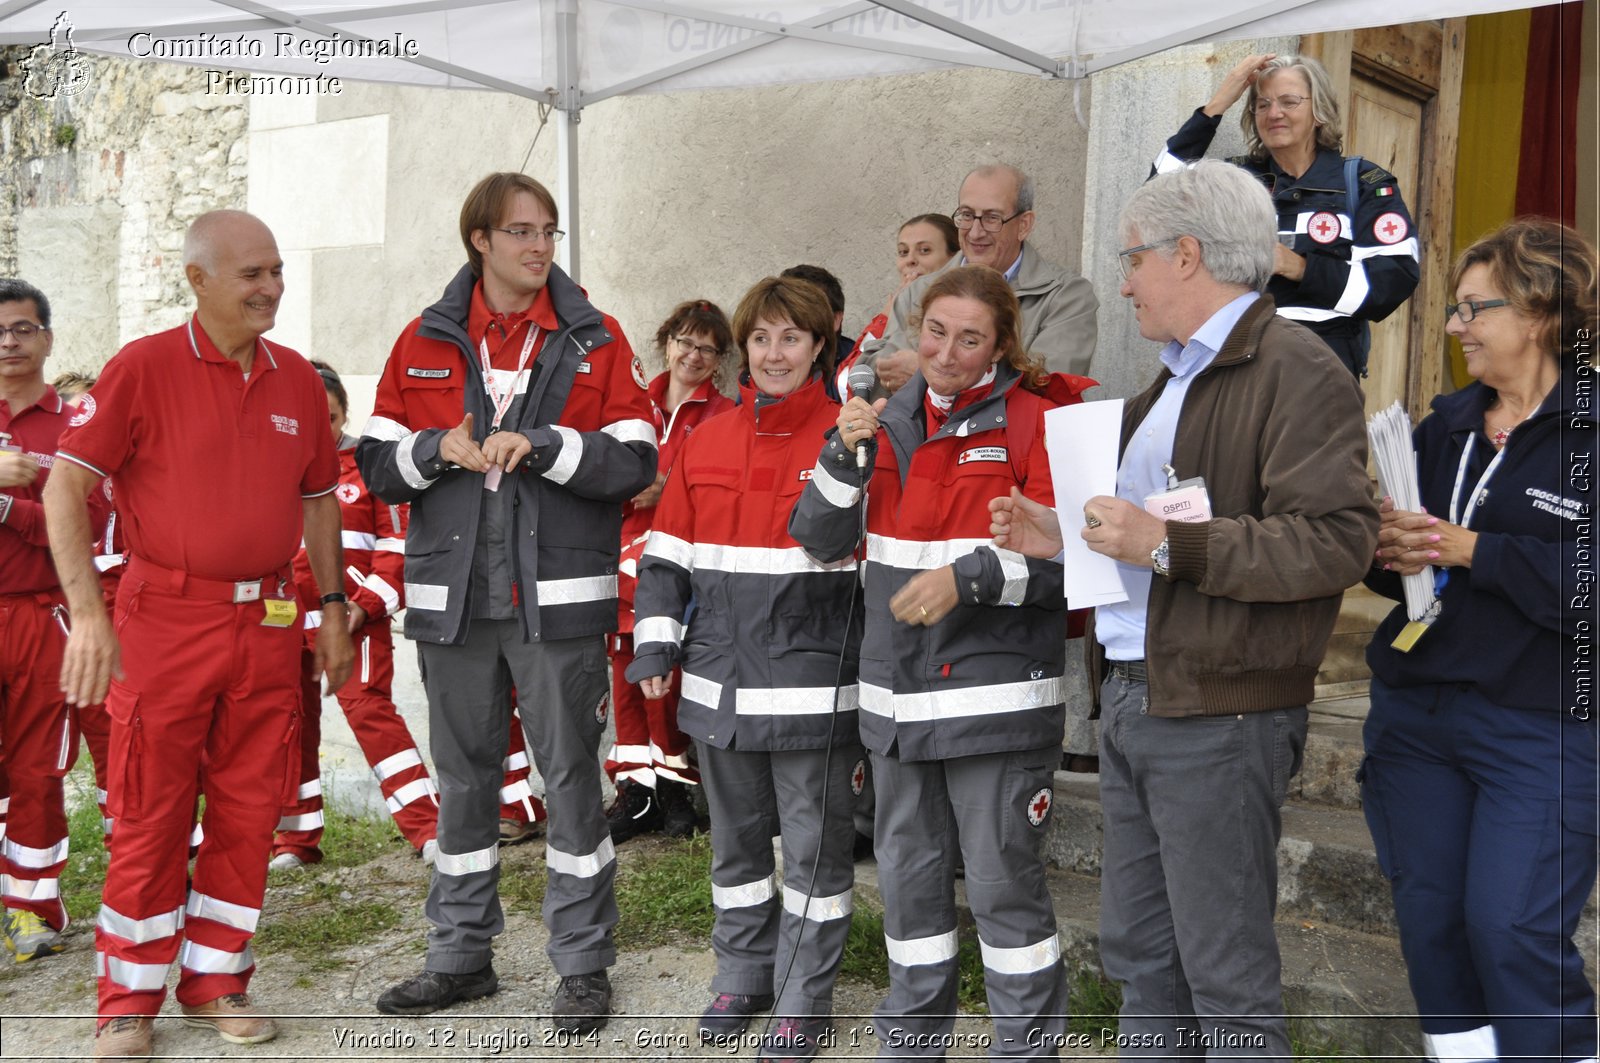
567 191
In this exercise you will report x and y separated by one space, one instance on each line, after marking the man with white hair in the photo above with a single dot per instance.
1208 665
218 450
994 217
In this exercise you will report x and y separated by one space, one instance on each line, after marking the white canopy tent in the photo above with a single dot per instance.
567 54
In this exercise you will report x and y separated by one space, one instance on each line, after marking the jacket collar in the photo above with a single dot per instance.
658 390
1325 172
448 317
781 416
901 418
1463 410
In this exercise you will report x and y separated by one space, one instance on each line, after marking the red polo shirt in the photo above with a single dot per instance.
209 468
25 565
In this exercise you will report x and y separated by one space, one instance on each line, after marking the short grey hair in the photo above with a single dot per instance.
199 243
1224 208
1324 105
1024 201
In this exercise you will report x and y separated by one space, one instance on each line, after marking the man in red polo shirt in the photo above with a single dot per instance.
38 737
216 443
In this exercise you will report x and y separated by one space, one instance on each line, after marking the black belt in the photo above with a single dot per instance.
1132 671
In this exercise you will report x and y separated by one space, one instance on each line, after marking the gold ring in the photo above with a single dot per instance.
1090 520
924 611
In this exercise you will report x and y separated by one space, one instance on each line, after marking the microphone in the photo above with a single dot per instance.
862 379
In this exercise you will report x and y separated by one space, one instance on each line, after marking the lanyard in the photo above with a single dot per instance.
503 402
1479 492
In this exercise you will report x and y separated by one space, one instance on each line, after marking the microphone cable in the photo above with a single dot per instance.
857 586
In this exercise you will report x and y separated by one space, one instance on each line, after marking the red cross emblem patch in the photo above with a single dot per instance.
1323 228
1039 806
1390 228
600 709
347 493
858 777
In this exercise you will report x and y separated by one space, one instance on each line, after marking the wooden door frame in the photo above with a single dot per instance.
1404 57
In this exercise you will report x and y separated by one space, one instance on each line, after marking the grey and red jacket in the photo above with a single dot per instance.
588 418
988 677
769 656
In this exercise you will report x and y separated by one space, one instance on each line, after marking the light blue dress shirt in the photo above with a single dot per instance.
1120 628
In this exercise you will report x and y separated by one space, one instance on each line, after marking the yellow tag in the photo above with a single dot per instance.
281 612
1410 634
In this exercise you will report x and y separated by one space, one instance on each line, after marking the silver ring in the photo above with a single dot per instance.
854 425
1090 520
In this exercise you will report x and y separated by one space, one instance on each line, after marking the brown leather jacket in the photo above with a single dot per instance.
1275 425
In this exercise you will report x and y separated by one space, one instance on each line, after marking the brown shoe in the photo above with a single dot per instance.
234 1017
125 1037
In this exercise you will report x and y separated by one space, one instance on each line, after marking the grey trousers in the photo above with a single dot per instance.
754 796
996 807
561 687
1189 879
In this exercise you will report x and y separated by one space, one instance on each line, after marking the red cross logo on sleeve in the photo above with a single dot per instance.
1323 228
1039 806
1390 228
858 777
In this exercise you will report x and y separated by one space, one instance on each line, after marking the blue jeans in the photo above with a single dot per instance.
1189 876
1483 818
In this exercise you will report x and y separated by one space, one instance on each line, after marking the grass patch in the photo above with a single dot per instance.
352 840
314 933
84 877
664 897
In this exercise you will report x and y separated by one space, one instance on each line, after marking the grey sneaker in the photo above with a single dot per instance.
433 990
28 936
582 1003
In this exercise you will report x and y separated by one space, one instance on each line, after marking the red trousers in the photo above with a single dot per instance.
38 744
391 752
209 698
649 743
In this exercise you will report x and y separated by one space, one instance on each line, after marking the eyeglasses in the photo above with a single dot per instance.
23 331
1287 102
530 236
991 220
1470 310
1125 260
685 345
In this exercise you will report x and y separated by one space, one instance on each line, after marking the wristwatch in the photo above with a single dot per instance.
1160 558
336 596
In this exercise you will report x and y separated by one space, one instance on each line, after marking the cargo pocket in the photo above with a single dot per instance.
125 777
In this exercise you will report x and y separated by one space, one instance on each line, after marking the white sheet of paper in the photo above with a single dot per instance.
1082 444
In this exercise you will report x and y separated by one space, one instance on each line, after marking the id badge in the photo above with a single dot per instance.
1187 503
491 479
281 612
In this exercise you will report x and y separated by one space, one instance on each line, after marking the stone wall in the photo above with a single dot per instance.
98 188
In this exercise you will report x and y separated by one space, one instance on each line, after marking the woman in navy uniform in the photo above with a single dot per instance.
1479 782
1347 252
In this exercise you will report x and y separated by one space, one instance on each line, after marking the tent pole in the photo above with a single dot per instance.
569 109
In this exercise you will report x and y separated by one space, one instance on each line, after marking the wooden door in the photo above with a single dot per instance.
1400 88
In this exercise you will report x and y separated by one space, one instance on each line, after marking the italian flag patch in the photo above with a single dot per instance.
1384 192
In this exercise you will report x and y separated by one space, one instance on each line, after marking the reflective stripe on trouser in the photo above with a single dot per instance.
752 796
299 828
649 744
561 685
1484 822
40 744
386 741
517 799
209 696
923 807
1189 875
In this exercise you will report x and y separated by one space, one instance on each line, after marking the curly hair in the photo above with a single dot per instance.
1548 273
696 317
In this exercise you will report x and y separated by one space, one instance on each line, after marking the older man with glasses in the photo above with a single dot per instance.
994 218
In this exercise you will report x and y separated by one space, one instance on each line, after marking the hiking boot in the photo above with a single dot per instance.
794 1040
28 936
125 1037
234 1018
517 831
635 811
729 1014
433 990
678 818
582 1003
